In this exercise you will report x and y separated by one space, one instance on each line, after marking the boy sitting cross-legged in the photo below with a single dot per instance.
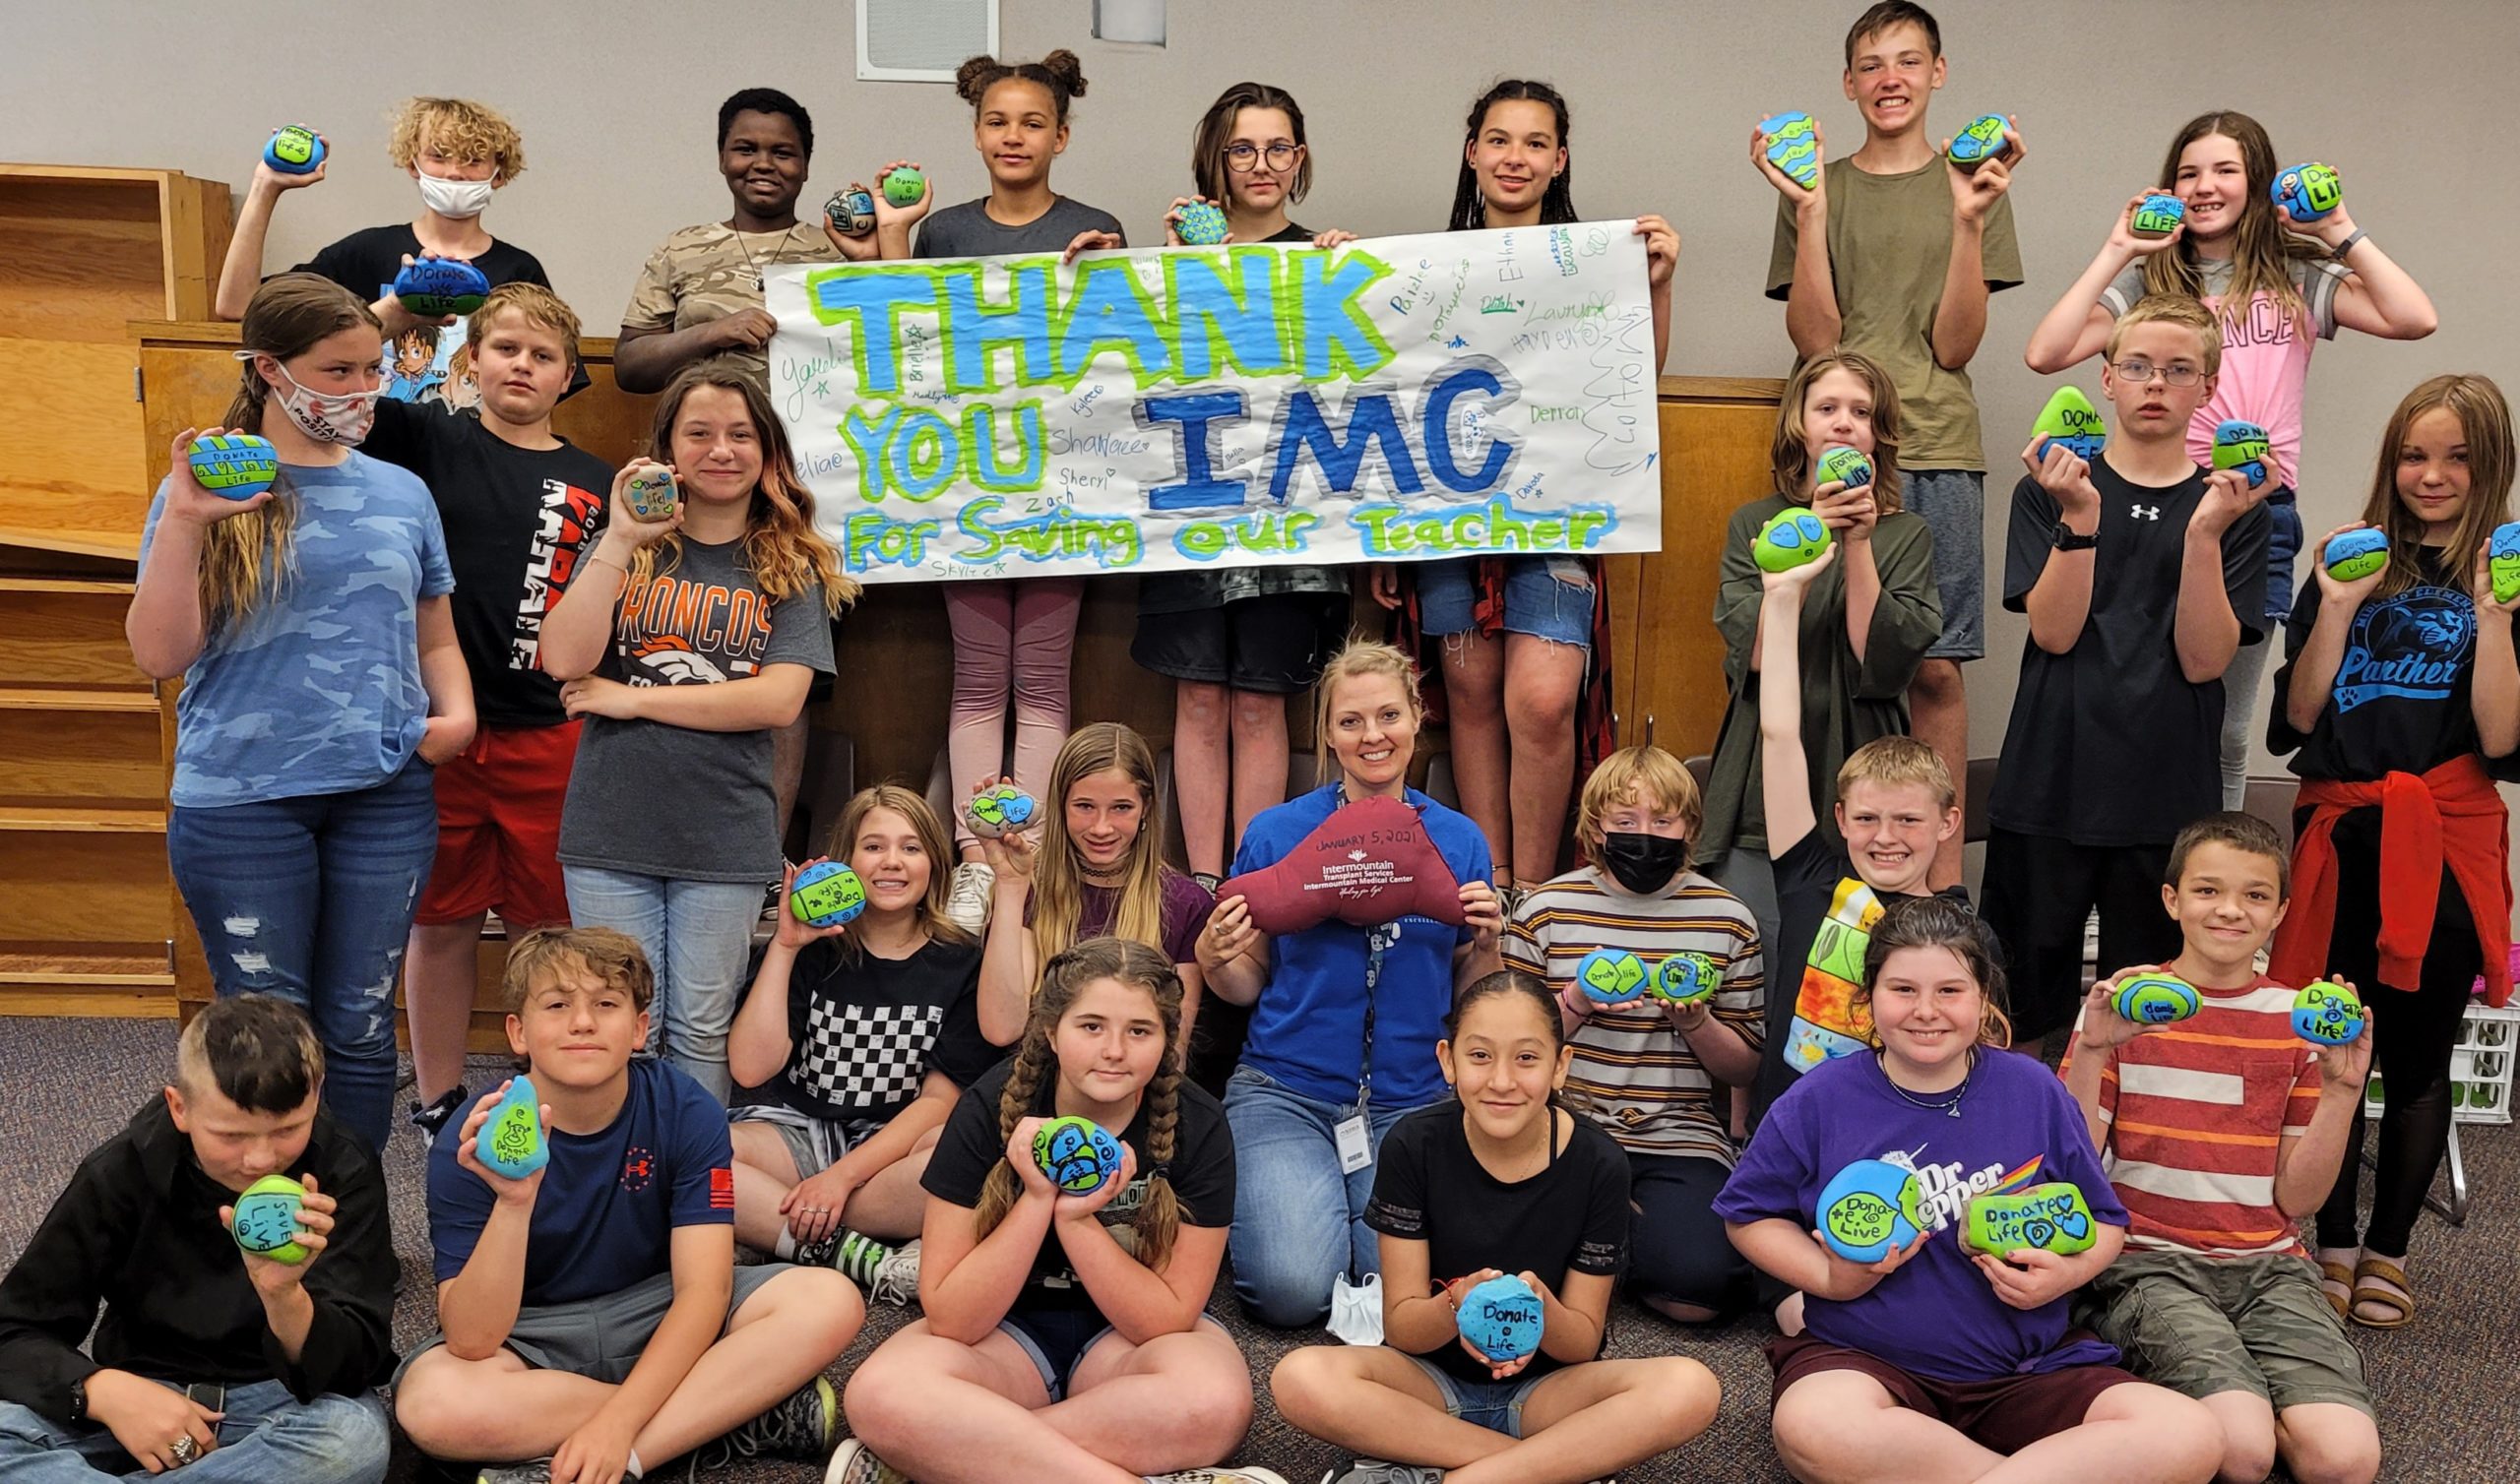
592 1316
2219 1133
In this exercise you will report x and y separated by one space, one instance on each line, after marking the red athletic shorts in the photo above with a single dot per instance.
498 829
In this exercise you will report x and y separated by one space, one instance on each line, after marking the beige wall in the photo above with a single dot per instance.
617 103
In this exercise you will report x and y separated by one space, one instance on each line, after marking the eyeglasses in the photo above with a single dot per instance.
2140 371
1243 159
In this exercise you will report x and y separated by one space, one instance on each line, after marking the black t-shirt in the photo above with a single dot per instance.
1201 1173
1570 1217
864 1033
518 521
365 262
2109 744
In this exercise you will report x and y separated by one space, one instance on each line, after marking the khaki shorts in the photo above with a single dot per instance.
2200 1325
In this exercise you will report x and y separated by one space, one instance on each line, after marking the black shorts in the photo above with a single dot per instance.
1275 643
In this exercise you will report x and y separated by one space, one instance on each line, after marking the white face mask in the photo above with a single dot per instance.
456 200
327 417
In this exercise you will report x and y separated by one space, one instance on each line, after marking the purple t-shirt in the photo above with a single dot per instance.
1186 905
1937 1315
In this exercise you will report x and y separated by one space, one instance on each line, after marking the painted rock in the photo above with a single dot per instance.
826 894
2157 215
1982 141
1200 224
1611 976
2306 193
2502 559
651 494
1868 1210
2241 446
294 151
239 466
2156 999
1501 1319
2357 554
2327 1014
2053 1217
1077 1154
266 1218
1685 978
904 186
432 286
1793 145
851 211
2069 418
1792 536
510 1140
1000 810
1843 465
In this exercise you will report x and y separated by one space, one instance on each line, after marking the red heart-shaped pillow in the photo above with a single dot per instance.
1370 863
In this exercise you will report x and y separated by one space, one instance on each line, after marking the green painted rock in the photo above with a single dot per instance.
2308 192
1982 141
2156 999
2053 1217
2157 215
238 465
1792 145
1685 978
1870 1209
1611 976
2069 418
1077 1154
266 1218
2357 554
2241 446
2327 1014
2502 559
904 186
510 1140
1791 537
1843 465
826 894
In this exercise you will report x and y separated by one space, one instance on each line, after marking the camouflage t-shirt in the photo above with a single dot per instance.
710 271
319 690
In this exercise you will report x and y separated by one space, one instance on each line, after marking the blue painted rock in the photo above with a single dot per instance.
1501 1319
904 186
1793 145
239 466
1685 978
1792 536
2327 1014
651 494
510 1140
2357 554
1870 1209
1983 141
2306 193
294 151
266 1218
2069 418
432 286
2053 1217
2241 446
2502 559
2156 999
1843 465
826 894
1611 976
2157 215
1000 810
1077 1154
851 211
1200 224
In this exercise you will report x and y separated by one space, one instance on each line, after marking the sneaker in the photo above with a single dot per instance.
539 1471
799 1427
434 1119
896 1280
1375 1471
967 900
1221 1475
856 1463
1207 881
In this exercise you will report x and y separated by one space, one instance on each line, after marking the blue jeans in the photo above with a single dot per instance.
1299 1223
1550 596
268 1435
697 937
311 899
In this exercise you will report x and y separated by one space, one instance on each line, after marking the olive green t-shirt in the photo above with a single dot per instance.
708 271
1889 247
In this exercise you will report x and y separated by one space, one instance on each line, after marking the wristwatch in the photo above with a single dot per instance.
2070 540
2339 251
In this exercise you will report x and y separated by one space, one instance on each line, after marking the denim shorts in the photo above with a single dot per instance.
1953 502
1496 1405
1547 597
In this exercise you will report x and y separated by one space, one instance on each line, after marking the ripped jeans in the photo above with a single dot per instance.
311 899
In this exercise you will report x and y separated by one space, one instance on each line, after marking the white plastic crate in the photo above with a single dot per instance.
2481 1068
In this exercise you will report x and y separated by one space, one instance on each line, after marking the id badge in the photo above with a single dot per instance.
1355 1147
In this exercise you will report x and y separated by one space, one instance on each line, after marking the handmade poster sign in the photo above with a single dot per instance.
1370 863
1403 398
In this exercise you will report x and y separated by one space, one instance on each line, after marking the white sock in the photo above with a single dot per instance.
785 1247
633 1468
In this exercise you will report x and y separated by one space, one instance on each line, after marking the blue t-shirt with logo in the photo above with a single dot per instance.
605 1216
1937 1315
319 690
1308 1025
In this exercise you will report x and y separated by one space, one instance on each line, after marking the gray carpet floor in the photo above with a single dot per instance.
2448 1385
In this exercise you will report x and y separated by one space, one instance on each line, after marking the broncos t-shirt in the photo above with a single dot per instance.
656 799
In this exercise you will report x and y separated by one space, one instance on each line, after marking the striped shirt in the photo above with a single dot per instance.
2198 1113
1633 1073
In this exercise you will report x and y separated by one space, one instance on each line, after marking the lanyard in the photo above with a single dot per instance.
1375 942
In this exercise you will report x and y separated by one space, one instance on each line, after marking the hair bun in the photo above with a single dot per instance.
971 79
1068 69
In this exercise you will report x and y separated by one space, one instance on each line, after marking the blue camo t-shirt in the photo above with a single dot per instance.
605 1216
1937 1315
1308 1025
319 690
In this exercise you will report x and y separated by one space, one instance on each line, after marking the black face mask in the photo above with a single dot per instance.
1644 863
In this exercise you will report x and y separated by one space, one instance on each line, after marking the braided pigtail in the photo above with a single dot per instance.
1003 1187
1159 1218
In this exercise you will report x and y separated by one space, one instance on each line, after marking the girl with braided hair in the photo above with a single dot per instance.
1067 1332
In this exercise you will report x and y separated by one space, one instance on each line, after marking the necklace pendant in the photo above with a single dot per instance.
1954 1110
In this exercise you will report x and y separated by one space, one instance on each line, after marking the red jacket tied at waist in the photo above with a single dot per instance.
2451 816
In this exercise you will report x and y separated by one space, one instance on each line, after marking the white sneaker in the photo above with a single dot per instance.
967 900
1221 1474
856 1463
